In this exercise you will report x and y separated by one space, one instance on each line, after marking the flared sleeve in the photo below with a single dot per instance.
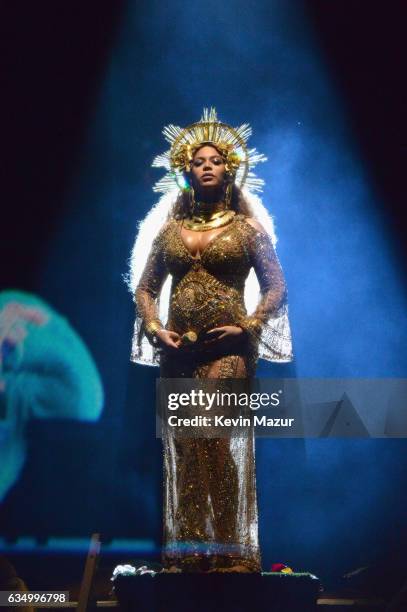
146 299
268 326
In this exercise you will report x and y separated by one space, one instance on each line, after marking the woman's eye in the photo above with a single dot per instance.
215 160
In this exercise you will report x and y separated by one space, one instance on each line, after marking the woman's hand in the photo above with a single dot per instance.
167 340
224 335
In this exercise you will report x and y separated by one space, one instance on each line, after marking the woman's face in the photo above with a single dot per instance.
207 169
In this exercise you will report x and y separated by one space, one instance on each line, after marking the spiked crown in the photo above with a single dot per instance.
229 141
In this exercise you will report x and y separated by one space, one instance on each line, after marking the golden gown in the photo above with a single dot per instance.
210 508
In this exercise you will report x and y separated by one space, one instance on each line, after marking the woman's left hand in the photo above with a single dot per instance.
227 334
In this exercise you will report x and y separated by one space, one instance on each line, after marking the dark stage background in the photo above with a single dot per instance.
86 90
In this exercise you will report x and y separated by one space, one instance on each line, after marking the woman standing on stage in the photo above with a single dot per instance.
213 247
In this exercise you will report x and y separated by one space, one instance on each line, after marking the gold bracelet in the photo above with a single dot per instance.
251 324
153 326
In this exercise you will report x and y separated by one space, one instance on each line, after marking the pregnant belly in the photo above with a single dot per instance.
201 302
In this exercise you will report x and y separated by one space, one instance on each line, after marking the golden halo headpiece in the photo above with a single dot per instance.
231 143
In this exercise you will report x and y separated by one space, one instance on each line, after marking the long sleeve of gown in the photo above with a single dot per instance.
147 304
268 325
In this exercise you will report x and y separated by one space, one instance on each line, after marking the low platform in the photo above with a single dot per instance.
274 592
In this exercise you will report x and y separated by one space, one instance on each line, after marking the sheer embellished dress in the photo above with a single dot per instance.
210 508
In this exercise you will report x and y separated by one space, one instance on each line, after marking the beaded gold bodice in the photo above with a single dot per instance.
208 291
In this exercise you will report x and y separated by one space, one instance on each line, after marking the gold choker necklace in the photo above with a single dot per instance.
202 223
